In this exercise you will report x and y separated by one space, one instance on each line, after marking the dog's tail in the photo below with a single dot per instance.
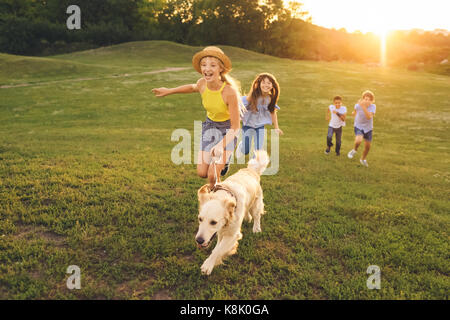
259 162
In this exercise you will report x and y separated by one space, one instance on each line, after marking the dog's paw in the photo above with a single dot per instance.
256 229
207 267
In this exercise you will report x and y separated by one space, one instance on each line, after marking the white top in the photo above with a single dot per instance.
335 121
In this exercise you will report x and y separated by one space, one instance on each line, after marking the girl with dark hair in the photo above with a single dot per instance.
261 105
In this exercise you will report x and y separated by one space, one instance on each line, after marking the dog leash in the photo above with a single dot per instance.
215 160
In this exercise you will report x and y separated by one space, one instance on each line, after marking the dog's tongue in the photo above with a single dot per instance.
199 246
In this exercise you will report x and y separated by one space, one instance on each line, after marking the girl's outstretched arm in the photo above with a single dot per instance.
187 88
275 122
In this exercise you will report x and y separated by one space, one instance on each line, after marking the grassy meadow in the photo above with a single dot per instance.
86 179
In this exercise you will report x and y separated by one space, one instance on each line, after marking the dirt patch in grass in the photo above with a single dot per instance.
162 295
134 289
39 232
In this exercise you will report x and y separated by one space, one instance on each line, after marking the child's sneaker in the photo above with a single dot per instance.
239 153
225 169
351 153
338 153
327 151
363 162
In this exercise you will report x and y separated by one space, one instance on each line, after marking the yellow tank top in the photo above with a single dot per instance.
216 109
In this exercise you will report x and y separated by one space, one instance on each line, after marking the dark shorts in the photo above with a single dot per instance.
213 132
367 135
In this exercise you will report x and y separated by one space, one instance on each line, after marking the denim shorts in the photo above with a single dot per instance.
213 132
367 135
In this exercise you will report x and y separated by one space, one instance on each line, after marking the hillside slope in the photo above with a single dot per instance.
87 179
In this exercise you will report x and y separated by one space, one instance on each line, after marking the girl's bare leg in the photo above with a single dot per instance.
203 160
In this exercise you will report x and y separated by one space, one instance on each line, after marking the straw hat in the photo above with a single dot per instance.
211 52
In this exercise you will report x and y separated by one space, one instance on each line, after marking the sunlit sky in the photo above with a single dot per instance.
379 16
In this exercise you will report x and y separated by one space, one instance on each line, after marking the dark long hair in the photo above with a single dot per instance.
255 92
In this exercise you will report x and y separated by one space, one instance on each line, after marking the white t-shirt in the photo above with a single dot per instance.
335 121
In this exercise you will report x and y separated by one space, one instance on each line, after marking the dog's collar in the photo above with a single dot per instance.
218 187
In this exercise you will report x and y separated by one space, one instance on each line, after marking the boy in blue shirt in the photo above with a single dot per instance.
364 113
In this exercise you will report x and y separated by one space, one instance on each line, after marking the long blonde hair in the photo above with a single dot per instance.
235 84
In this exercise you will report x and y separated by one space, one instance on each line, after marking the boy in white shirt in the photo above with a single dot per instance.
336 114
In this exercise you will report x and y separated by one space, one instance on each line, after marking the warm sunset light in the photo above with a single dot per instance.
234 150
383 38
378 16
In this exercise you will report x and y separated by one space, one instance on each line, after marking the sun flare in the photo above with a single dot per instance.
383 37
378 16
382 32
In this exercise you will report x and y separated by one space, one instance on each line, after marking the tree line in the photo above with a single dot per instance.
38 27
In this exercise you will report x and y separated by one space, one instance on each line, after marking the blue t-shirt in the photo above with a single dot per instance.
361 122
259 118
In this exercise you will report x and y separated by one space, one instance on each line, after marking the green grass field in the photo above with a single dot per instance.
87 180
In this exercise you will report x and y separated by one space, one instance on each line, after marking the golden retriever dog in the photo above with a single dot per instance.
222 210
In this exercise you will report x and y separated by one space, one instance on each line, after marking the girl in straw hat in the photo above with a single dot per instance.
221 99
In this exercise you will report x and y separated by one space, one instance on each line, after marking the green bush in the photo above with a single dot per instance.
39 37
107 33
29 37
16 35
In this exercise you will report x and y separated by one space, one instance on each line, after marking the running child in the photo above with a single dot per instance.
221 99
261 105
336 114
364 113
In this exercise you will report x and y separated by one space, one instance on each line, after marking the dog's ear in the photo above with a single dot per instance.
230 205
204 194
